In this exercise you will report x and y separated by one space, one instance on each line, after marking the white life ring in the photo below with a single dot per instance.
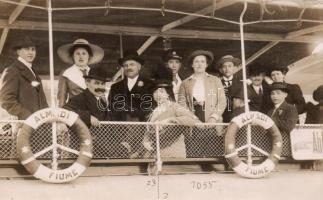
37 169
240 167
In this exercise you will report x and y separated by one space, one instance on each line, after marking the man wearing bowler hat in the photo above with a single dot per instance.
92 108
227 66
131 99
258 90
283 114
21 92
91 104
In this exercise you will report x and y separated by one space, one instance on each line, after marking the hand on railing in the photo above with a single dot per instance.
94 121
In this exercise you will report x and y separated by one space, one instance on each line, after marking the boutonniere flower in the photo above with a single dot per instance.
280 112
140 83
35 83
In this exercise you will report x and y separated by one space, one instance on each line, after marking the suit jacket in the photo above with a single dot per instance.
295 97
136 104
259 102
215 101
285 117
314 113
237 112
86 104
236 81
21 93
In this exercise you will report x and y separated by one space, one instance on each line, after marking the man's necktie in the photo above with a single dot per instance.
260 91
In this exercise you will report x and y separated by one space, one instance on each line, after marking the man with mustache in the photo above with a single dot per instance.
258 90
21 90
131 100
91 105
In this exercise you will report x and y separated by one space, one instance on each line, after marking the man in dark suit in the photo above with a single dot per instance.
228 66
21 92
283 114
295 95
238 103
258 90
91 105
131 100
314 113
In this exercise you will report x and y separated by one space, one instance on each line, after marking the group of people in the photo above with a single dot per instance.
165 98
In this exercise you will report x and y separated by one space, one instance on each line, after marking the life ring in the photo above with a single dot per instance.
28 159
231 154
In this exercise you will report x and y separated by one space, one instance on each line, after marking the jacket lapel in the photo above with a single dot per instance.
190 85
25 72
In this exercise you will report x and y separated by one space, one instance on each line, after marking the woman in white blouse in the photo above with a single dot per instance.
203 93
81 54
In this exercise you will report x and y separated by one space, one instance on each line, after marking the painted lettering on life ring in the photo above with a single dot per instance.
59 176
240 167
256 170
46 115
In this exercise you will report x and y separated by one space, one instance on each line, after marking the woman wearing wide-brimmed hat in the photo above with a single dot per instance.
295 95
80 54
204 95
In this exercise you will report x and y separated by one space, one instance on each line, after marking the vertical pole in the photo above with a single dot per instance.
158 157
245 94
121 54
51 74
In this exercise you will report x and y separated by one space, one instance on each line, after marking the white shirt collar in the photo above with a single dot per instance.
257 87
133 79
87 68
277 105
132 82
29 65
228 79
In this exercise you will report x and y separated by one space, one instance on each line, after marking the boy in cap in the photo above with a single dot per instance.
283 114
295 94
21 92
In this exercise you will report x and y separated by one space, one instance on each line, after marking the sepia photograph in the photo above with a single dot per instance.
161 99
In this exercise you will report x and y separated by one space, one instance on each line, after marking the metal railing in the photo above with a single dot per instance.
134 141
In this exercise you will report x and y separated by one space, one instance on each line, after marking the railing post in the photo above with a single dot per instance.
159 162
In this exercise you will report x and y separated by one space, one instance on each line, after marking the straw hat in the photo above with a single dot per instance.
63 51
228 58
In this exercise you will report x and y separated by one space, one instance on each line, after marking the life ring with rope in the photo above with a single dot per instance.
231 154
28 159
